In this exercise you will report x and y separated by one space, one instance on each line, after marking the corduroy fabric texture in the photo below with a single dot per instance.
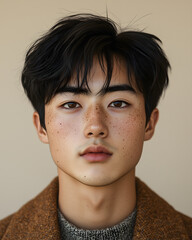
38 219
122 231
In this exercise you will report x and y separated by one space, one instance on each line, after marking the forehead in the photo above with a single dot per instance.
99 78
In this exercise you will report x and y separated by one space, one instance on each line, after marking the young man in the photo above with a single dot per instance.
95 92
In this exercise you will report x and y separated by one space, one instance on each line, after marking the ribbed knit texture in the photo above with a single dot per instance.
121 231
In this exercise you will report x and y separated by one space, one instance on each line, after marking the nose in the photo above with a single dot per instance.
95 123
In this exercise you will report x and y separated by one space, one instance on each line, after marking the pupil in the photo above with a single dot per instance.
72 105
118 104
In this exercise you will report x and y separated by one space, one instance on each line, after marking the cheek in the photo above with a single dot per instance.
61 132
132 125
59 126
62 135
129 133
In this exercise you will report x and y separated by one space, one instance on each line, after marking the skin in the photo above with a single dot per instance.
95 195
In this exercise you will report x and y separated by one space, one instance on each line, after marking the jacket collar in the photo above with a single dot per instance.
38 219
156 219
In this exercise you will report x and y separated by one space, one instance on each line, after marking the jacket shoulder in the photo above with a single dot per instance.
37 219
4 223
188 224
157 219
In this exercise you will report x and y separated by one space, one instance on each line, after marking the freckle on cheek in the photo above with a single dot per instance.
57 132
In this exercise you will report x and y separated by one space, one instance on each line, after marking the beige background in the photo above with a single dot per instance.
25 164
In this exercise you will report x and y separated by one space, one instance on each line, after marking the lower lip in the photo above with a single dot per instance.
96 157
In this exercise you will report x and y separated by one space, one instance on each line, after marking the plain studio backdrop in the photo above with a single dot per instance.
26 166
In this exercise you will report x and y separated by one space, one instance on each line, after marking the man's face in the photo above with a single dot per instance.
97 138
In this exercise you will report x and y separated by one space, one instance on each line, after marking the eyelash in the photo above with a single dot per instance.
77 105
121 102
67 103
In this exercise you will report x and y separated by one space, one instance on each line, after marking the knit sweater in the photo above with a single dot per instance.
38 219
121 231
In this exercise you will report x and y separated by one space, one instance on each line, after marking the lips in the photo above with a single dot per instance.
96 153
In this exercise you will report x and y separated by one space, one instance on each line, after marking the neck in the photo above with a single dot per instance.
90 207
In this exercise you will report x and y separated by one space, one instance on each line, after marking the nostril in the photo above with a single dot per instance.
101 134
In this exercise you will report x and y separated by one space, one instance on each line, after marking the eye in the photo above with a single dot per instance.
71 105
119 104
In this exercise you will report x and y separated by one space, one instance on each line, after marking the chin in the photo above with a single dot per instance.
98 181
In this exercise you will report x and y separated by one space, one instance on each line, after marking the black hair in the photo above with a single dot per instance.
70 47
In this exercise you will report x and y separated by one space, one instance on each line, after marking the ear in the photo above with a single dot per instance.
150 128
42 134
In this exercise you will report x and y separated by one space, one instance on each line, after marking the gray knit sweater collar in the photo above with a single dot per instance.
122 231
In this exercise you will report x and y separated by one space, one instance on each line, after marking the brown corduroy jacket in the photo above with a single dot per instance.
38 219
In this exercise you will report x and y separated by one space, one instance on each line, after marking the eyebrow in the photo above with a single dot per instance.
103 91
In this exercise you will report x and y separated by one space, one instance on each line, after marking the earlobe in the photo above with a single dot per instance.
150 128
42 134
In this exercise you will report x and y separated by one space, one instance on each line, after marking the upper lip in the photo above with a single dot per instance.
96 149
